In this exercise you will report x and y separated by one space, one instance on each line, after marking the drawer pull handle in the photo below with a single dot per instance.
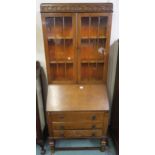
62 134
94 117
61 127
93 126
93 134
61 117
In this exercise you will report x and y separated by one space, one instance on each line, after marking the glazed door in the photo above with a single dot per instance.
93 40
60 41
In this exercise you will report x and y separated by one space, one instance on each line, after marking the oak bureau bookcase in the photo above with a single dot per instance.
77 42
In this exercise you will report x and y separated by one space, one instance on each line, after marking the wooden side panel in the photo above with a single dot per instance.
46 48
106 56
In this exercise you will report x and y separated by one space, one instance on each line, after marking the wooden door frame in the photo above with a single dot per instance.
46 49
107 46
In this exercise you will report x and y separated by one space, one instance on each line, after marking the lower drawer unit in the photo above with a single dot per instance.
78 125
75 116
74 125
76 133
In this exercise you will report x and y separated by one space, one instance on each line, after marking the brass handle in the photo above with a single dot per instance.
61 117
93 126
93 134
61 127
62 134
93 117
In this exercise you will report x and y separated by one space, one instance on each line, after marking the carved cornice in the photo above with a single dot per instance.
76 7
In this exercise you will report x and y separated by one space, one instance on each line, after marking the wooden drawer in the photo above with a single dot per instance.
74 116
78 125
76 133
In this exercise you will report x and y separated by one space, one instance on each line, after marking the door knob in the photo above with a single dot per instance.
93 126
61 127
93 117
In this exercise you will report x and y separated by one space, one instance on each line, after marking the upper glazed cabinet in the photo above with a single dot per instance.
76 39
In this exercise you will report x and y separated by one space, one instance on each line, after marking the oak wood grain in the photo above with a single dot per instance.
77 125
77 98
77 133
76 116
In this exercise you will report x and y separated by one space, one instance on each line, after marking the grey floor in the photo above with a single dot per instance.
75 143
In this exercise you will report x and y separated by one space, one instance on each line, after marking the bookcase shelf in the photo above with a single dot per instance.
59 26
92 61
55 38
60 61
93 37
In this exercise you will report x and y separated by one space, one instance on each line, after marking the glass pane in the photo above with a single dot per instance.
100 71
68 30
94 27
53 70
51 46
61 72
58 71
50 26
59 49
92 49
84 71
69 71
101 48
85 49
92 71
56 48
58 27
60 31
69 50
84 26
102 26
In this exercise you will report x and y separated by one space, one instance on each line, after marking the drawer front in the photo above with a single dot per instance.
75 116
78 125
76 133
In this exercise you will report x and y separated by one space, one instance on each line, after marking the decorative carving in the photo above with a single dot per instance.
83 7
